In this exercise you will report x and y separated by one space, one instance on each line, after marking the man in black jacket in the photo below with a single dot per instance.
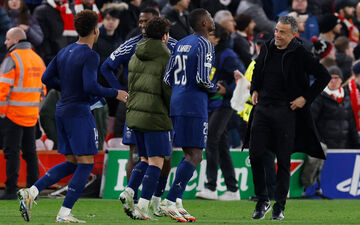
281 119
178 15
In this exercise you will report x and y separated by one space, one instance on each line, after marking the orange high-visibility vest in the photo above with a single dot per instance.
20 88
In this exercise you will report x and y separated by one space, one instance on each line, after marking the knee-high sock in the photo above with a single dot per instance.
161 186
55 174
150 182
77 184
137 175
184 173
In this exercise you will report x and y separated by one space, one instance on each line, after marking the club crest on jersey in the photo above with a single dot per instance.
209 57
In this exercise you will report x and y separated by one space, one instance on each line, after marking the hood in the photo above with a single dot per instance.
294 43
149 48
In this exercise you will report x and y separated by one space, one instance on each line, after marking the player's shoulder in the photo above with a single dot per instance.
126 47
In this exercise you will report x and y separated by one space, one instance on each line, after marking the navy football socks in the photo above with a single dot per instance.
77 184
55 174
150 182
184 173
161 186
137 175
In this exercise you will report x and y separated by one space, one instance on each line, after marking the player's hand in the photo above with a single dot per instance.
222 89
255 98
298 103
122 96
237 74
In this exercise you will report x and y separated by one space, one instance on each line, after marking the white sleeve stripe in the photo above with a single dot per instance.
202 77
168 70
127 46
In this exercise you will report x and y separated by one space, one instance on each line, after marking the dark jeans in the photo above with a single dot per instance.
273 127
217 150
14 138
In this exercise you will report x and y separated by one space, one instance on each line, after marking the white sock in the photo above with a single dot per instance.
143 203
34 191
64 211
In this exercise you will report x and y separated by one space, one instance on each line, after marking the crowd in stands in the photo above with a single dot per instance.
328 28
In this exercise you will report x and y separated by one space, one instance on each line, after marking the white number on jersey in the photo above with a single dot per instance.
181 62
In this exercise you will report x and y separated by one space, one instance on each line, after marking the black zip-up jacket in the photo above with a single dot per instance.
297 64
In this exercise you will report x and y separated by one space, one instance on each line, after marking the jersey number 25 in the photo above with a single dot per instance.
180 72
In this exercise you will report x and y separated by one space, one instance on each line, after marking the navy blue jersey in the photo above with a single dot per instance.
73 71
188 74
122 56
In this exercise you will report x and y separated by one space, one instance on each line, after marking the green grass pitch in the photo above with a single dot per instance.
100 211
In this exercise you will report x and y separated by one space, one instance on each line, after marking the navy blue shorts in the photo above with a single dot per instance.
128 136
190 131
153 143
77 135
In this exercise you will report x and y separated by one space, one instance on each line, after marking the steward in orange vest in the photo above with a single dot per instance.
20 91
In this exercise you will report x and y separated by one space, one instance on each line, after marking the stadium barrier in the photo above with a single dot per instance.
340 177
114 174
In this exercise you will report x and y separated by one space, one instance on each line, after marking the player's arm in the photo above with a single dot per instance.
118 57
205 56
90 84
51 76
168 78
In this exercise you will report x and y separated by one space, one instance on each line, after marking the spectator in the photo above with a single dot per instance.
354 88
311 26
301 20
325 51
80 5
344 56
4 26
20 17
344 10
254 8
243 35
131 16
19 108
178 15
330 27
214 6
333 115
320 7
52 28
226 20
356 18
220 112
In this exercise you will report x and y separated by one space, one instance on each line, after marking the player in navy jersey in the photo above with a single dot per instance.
121 56
73 71
188 74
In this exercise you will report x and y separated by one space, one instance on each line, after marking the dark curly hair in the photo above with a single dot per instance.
85 22
157 27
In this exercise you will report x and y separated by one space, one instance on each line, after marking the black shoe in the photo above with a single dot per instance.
262 207
277 214
8 196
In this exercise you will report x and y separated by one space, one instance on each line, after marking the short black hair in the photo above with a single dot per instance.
196 18
149 4
157 27
85 22
113 12
153 11
242 21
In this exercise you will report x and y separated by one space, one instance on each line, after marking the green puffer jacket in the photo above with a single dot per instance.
149 102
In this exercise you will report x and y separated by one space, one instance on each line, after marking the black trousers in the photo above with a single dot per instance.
217 150
14 138
273 127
